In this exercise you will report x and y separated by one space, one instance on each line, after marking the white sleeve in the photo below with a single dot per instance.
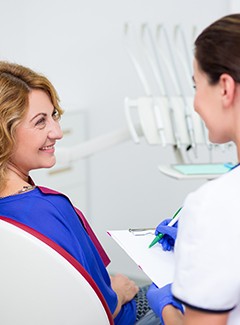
207 272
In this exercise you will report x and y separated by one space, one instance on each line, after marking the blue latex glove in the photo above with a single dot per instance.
170 234
158 298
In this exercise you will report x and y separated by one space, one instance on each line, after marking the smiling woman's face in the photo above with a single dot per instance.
37 134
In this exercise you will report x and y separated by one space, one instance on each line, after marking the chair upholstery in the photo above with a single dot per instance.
41 284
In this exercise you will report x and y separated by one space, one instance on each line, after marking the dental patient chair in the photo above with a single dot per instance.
41 284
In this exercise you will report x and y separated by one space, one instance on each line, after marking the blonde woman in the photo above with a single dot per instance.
29 130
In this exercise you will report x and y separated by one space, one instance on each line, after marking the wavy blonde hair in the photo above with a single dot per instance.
16 82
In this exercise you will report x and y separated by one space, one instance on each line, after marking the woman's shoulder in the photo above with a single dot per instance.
214 203
52 196
39 198
223 188
47 190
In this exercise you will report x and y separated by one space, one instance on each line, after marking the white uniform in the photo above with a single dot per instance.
207 248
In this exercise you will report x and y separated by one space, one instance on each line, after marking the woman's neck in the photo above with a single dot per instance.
16 180
15 173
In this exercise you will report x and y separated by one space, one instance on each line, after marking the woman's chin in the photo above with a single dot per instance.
49 164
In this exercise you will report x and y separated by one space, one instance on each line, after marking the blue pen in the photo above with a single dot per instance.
171 223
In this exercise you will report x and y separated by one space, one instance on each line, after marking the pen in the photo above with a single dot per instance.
171 223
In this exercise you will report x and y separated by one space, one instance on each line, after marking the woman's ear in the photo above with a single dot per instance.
227 88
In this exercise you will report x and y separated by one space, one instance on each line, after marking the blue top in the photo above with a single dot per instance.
54 216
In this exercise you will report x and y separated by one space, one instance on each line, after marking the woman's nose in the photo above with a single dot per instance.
55 131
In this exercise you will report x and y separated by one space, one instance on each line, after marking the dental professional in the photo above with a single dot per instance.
207 267
29 130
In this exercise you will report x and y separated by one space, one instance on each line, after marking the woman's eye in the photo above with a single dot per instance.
41 121
56 115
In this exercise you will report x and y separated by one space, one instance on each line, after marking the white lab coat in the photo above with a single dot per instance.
207 249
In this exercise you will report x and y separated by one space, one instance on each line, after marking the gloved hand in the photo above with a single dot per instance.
158 298
170 234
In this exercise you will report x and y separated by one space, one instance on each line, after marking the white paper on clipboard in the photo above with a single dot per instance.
157 264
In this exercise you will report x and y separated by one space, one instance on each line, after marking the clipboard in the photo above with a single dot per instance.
156 263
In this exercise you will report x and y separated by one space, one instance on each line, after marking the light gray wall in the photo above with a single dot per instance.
79 46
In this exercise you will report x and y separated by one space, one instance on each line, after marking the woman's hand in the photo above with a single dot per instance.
125 289
170 234
159 298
